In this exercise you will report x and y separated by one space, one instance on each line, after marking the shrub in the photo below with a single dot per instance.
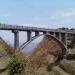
16 66
49 67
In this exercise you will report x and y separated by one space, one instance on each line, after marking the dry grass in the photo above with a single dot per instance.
68 66
45 53
4 73
37 63
58 71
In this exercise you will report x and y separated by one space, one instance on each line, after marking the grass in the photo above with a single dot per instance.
4 61
4 73
68 66
58 71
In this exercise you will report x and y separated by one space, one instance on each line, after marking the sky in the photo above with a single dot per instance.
37 13
41 13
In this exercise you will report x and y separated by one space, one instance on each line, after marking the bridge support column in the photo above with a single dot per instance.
28 35
54 34
60 36
51 33
36 33
16 38
74 37
57 35
64 38
44 32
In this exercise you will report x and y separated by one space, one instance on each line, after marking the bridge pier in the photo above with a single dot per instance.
54 34
36 33
57 35
74 37
29 36
51 33
44 32
60 36
64 38
16 38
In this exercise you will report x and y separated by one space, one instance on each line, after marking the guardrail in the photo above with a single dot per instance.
26 28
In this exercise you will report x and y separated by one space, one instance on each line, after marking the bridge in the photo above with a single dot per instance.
58 33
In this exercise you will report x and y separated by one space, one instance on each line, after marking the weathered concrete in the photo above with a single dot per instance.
51 33
29 35
26 28
16 38
60 37
74 38
44 32
36 33
63 38
57 35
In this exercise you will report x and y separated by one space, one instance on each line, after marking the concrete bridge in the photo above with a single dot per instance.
58 33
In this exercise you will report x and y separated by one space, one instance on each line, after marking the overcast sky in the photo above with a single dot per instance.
38 13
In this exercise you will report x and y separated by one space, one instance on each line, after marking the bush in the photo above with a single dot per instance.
50 66
16 66
70 57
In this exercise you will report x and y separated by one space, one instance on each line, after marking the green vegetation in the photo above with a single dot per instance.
16 66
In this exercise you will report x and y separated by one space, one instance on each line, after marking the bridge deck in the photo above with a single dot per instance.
26 28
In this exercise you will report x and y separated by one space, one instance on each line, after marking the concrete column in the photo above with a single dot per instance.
44 32
16 38
51 33
74 37
64 36
29 35
54 34
57 35
36 33
60 37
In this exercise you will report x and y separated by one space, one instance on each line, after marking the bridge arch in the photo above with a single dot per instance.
49 36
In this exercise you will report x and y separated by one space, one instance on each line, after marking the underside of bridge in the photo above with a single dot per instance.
60 34
62 37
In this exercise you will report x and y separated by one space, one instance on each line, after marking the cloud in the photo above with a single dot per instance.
63 14
64 18
69 14
6 15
